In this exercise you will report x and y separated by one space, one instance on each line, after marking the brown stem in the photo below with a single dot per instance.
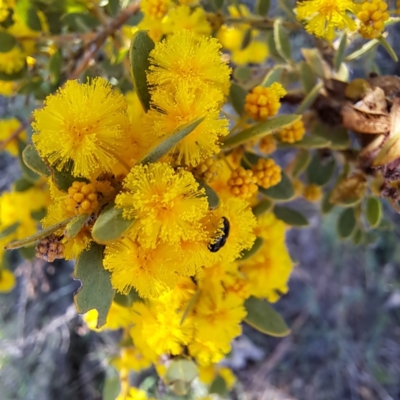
92 48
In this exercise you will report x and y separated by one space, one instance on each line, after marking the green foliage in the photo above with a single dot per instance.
141 47
373 212
320 171
283 191
75 225
237 97
256 246
282 43
181 370
7 42
346 223
28 13
96 291
33 160
110 225
262 207
261 316
212 196
290 217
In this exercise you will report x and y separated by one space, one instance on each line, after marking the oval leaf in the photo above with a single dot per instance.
290 217
126 300
262 317
212 195
320 173
346 223
308 142
28 14
261 129
339 56
273 75
63 179
38 235
382 40
9 230
307 77
96 291
326 205
181 370
7 42
309 100
27 172
110 225
33 161
364 49
262 207
237 96
256 246
302 160
74 226
164 147
219 387
141 46
283 191
373 212
282 42
22 184
316 62
246 39
262 7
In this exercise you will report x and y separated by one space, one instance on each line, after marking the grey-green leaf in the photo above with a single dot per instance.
310 98
7 42
237 96
373 211
262 7
141 46
316 62
273 75
96 291
27 12
126 300
181 370
307 77
110 225
250 252
282 42
346 223
259 130
290 217
9 230
326 205
302 160
262 207
38 235
212 195
164 147
339 56
218 386
283 191
246 38
308 142
364 49
33 160
320 172
382 40
262 317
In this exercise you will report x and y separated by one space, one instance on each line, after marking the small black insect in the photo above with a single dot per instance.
220 242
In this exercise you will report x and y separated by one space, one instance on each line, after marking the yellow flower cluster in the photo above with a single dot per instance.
323 17
209 170
264 102
243 183
373 15
267 144
312 192
267 172
293 133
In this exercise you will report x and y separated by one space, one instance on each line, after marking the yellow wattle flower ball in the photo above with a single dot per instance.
167 205
7 127
267 172
293 133
373 15
323 17
183 17
264 102
7 88
256 52
155 9
84 123
312 192
7 281
186 56
12 61
82 198
243 183
209 170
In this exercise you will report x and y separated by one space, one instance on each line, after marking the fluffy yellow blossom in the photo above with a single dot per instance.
183 17
293 133
267 172
185 56
131 359
7 281
167 205
7 127
243 183
264 102
176 106
84 123
117 317
256 52
312 192
157 327
268 270
150 271
155 9
373 15
7 88
12 61
322 17
230 37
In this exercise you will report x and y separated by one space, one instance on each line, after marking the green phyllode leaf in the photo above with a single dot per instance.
110 225
290 217
141 46
310 98
9 230
302 160
373 211
237 96
33 161
181 370
262 207
250 252
346 223
164 147
262 7
96 290
212 195
320 172
260 130
339 56
27 12
282 43
74 226
283 191
7 42
262 317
